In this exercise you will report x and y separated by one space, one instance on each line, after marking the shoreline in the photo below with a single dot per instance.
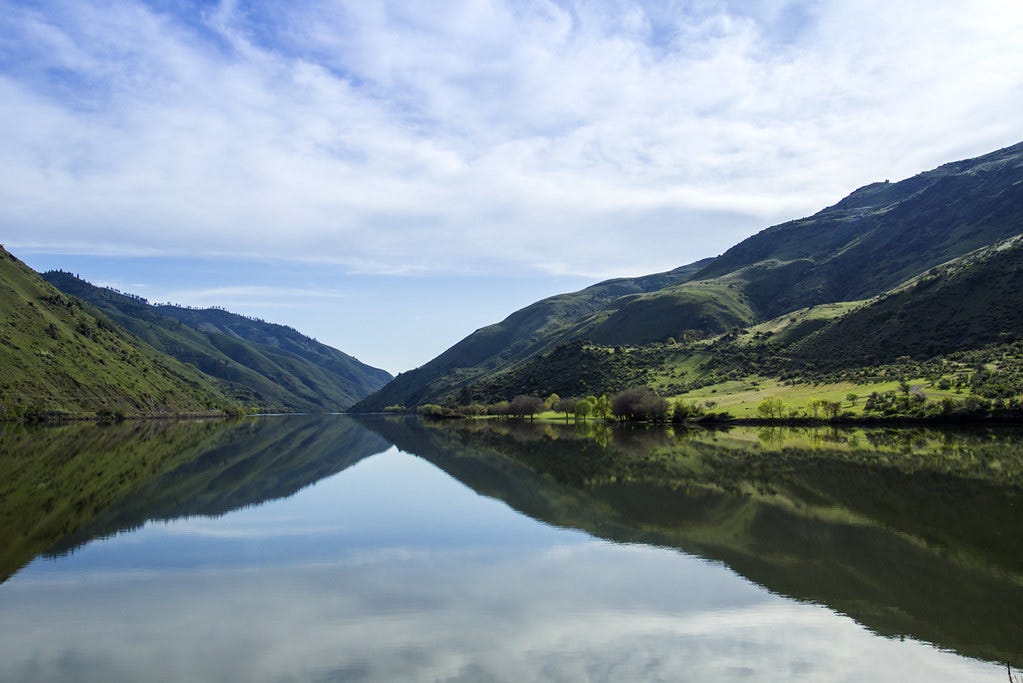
879 420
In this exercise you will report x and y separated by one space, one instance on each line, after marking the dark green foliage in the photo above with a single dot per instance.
566 406
526 406
639 404
968 303
261 364
574 369
914 405
685 411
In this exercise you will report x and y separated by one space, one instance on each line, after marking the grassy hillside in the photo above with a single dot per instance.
965 304
880 235
61 356
692 309
260 364
537 328
866 245
951 334
872 241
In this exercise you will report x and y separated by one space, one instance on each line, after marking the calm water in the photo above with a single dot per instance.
336 549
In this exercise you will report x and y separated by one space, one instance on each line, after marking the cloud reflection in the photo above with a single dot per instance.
591 611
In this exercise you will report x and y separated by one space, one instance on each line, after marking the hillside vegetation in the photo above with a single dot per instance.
916 270
258 363
59 356
967 303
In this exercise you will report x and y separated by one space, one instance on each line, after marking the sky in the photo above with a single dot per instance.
389 176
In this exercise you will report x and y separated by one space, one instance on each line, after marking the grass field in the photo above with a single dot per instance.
741 398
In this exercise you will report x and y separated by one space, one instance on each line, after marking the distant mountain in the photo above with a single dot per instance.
59 355
259 363
868 244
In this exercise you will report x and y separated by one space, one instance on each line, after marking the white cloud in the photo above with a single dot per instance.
489 135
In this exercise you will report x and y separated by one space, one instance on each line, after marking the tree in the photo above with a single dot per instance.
831 409
813 407
473 409
433 410
566 406
602 407
552 401
771 407
851 397
584 407
683 410
639 403
526 406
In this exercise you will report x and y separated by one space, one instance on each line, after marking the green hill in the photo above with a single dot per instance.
879 236
865 246
535 329
61 356
259 363
952 319
968 303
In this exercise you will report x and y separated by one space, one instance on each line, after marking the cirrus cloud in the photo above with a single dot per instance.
581 138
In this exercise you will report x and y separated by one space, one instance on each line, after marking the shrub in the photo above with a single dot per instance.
771 407
434 411
683 411
526 406
639 403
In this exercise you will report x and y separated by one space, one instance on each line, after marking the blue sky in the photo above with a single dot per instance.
389 176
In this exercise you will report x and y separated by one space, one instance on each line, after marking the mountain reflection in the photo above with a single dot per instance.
67 485
910 532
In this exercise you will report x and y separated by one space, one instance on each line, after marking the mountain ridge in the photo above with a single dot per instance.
59 356
266 364
863 246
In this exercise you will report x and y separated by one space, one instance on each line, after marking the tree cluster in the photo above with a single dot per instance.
639 404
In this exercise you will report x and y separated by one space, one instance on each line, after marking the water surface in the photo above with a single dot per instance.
300 548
